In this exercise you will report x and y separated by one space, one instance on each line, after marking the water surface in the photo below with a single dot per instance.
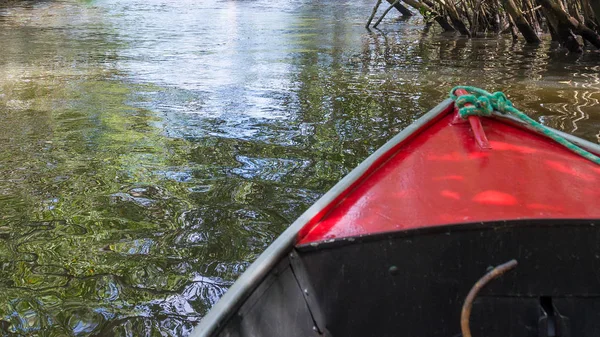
150 150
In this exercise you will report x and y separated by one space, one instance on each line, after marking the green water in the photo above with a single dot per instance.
150 150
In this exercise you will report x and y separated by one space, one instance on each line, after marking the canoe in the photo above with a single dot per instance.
482 228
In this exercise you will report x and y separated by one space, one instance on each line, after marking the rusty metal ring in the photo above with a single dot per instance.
468 305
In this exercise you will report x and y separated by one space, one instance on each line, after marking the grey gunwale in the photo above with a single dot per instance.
582 143
250 279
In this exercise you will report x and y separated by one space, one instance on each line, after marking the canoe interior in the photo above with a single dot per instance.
413 283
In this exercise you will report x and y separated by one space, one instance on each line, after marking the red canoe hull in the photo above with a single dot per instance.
441 176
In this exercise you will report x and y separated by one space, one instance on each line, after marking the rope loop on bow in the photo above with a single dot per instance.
482 103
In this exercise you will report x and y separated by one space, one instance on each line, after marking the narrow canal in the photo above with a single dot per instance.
150 150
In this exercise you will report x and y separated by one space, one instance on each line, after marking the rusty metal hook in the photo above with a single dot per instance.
468 305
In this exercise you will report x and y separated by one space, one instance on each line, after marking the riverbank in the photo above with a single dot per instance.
572 24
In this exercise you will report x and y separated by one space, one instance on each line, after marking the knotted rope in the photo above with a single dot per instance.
484 103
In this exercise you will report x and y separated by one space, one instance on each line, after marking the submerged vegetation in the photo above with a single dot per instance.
571 23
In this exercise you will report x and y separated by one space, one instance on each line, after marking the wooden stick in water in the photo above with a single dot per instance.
385 13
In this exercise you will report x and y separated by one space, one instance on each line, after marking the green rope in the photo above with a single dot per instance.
484 103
